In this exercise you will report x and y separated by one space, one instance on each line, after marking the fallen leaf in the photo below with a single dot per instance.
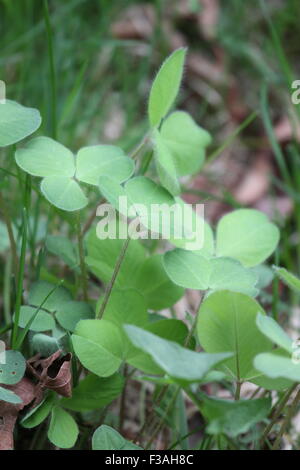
26 390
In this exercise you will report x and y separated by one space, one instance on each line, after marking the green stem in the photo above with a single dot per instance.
123 400
20 280
52 69
151 418
290 414
162 419
232 137
111 284
81 257
29 323
276 412
10 232
7 283
238 390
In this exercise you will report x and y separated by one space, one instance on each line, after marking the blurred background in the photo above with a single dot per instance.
90 64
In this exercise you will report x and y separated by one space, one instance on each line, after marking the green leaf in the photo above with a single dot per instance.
13 368
94 392
227 322
247 235
64 193
103 255
43 156
63 248
125 306
9 396
279 383
166 86
170 217
113 191
233 418
292 281
276 366
17 122
99 346
274 332
147 196
69 313
165 165
178 362
41 289
193 271
159 291
169 329
185 141
264 274
106 438
142 190
42 322
97 160
199 231
63 430
45 345
38 414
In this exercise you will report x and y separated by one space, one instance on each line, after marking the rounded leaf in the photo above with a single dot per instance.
13 368
227 322
99 346
107 438
185 141
17 122
43 156
42 322
193 271
64 193
63 430
97 160
247 235
69 313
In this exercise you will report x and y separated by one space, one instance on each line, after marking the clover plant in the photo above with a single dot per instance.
125 328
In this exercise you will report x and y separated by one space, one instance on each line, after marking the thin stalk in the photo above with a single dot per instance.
162 419
276 412
81 257
123 400
10 232
139 147
5 329
111 284
286 421
29 323
151 418
281 162
52 69
20 280
238 390
231 138
275 288
90 220
7 288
